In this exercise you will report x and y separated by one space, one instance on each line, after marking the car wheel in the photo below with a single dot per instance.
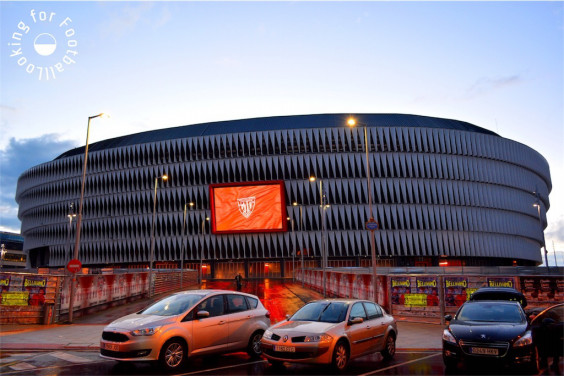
340 356
390 349
535 365
254 349
173 354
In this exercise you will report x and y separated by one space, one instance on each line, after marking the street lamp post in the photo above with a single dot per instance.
164 177
70 216
538 206
201 254
322 207
293 251
351 122
79 218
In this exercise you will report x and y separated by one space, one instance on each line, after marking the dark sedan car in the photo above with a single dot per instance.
548 334
496 331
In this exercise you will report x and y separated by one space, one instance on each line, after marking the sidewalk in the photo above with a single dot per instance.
85 332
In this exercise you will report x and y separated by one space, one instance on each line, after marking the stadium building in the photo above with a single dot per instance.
443 192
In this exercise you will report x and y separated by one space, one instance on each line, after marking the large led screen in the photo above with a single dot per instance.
248 207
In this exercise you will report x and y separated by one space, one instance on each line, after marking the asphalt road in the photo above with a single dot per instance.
66 363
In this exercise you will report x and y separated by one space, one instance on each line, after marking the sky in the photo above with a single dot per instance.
151 65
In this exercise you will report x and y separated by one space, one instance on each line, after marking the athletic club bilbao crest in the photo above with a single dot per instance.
246 206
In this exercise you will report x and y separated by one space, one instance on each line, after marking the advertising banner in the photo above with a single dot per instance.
35 286
455 291
429 287
248 207
500 282
400 287
415 300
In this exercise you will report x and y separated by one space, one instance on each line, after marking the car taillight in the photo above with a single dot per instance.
267 314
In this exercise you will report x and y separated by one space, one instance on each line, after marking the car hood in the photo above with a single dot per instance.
478 331
302 327
138 321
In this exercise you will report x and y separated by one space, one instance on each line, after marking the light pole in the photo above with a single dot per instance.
295 203
201 252
538 206
79 218
322 207
164 177
70 216
293 251
183 248
351 122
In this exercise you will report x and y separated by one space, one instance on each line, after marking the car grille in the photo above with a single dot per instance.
125 355
298 339
289 355
114 337
501 346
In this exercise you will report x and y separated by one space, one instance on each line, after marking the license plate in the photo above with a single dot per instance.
484 351
284 348
110 346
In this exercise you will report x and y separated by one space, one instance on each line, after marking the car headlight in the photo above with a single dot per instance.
145 331
525 340
267 334
319 338
448 337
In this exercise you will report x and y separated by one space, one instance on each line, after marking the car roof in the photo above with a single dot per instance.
499 293
206 292
342 300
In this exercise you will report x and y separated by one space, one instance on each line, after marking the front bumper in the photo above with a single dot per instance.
508 356
142 348
314 353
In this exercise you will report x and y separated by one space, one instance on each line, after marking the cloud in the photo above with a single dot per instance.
486 84
556 230
15 158
127 19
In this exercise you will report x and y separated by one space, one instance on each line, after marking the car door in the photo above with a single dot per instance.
377 326
210 334
358 333
239 321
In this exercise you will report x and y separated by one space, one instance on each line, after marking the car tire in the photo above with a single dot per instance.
389 347
173 354
341 356
253 348
535 366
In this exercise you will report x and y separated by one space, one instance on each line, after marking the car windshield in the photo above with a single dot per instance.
322 311
173 305
491 312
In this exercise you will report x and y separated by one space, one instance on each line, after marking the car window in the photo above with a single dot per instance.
252 302
322 311
556 314
214 305
357 310
372 310
491 312
172 305
236 303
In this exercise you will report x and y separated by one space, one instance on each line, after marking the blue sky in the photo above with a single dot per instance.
498 65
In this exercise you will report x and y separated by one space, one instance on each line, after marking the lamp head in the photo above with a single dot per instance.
164 177
294 203
312 178
351 122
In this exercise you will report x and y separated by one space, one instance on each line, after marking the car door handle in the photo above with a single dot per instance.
221 322
367 326
249 316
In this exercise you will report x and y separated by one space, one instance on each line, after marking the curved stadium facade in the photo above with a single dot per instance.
442 190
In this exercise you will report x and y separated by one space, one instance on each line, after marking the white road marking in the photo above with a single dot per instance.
22 366
399 365
220 368
70 358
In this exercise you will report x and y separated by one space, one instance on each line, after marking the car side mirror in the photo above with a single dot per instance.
448 318
356 320
288 317
202 314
